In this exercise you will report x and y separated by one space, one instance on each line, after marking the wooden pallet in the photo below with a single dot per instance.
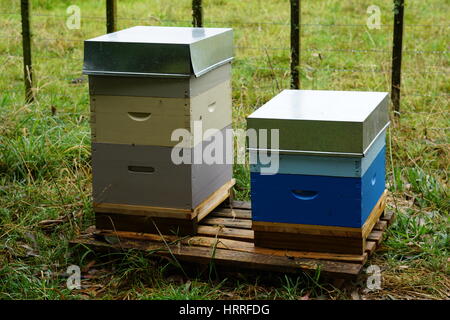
225 237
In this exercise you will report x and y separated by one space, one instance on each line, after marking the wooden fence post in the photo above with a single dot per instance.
295 44
197 13
26 47
397 45
111 16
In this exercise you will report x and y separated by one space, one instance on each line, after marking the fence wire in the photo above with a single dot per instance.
230 22
249 24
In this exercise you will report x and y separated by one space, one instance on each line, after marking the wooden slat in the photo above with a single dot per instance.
138 223
388 216
228 233
228 222
310 255
173 213
370 246
309 242
307 229
375 215
242 205
375 235
231 213
236 245
381 225
213 200
234 258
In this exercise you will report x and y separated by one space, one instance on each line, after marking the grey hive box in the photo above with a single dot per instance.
146 176
317 122
138 187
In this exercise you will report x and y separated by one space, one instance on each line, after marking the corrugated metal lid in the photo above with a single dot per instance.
158 51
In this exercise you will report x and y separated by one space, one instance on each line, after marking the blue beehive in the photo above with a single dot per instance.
331 172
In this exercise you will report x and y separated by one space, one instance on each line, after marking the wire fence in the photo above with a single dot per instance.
295 50
228 22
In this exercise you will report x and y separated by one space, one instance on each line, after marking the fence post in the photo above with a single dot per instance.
26 47
197 13
295 44
397 45
111 16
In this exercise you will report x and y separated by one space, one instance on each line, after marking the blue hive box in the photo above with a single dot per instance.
318 200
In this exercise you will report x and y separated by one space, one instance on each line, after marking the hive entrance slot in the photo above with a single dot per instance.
141 169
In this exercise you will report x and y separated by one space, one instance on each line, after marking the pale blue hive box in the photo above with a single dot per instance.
324 165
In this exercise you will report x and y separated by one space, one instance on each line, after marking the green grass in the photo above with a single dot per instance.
45 171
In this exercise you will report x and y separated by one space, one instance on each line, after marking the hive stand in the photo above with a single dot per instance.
226 238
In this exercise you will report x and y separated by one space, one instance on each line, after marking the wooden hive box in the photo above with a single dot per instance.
331 172
159 87
151 120
136 187
146 175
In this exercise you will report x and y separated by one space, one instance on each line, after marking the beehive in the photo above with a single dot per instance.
331 173
144 83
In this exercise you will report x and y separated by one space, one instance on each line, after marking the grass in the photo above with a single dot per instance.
45 169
